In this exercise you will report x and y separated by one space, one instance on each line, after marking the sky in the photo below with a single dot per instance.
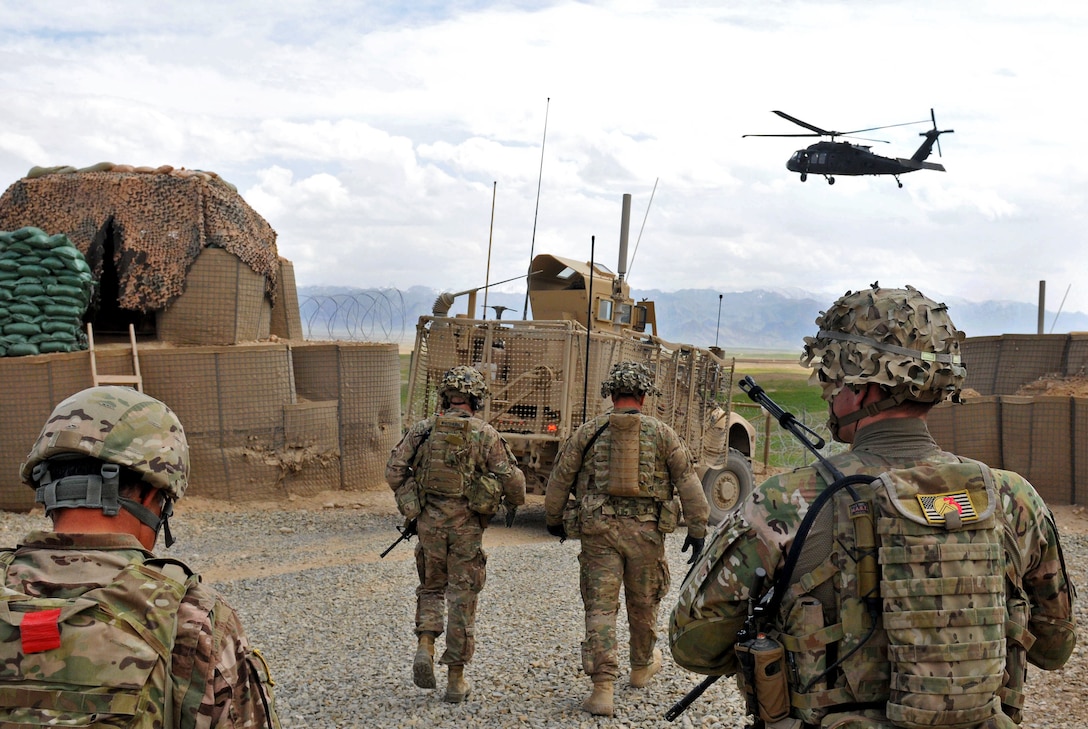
393 144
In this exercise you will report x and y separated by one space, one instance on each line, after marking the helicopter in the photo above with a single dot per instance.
830 158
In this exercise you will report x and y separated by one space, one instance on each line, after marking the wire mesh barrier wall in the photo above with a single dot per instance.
264 421
1043 438
374 315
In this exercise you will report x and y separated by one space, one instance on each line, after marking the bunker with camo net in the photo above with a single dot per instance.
187 294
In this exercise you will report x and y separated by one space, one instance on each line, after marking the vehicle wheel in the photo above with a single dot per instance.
725 487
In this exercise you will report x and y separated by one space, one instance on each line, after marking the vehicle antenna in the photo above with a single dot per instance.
540 176
1060 307
490 236
589 329
651 202
719 324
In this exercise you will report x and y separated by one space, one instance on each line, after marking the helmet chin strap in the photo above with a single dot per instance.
97 491
835 422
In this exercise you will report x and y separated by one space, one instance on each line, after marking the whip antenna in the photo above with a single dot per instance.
632 261
532 243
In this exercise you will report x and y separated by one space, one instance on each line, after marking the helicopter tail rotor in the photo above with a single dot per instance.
935 133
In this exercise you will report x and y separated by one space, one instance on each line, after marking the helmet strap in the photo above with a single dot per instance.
835 423
97 491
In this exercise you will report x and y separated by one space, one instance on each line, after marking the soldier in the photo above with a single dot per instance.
626 470
971 585
450 473
109 633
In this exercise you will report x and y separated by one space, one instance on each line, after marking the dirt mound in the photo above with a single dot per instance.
1056 385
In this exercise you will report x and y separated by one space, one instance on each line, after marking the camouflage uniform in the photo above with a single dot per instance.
761 532
623 543
905 344
214 680
449 555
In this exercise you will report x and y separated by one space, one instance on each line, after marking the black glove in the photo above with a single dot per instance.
511 512
409 529
696 545
557 530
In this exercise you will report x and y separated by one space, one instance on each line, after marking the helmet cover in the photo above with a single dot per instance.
897 338
117 425
629 378
465 380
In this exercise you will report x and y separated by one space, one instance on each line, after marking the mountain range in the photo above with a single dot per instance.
758 319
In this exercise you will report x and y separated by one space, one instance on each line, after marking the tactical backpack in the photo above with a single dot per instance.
941 656
98 658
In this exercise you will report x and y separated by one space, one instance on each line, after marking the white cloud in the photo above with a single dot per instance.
376 137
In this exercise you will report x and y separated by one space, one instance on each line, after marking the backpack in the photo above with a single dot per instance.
99 658
940 658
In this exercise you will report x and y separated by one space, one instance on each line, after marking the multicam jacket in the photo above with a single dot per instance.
215 680
761 533
668 465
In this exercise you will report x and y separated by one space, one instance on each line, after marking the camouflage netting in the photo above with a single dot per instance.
160 220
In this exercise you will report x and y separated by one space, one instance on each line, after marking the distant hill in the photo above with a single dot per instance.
760 319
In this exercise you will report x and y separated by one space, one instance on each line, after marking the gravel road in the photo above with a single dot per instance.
336 622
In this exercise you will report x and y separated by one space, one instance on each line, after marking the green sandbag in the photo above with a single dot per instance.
22 350
78 265
67 252
35 271
10 339
25 328
8 264
54 337
27 232
60 325
52 347
80 281
53 263
71 292
20 248
28 290
60 311
22 307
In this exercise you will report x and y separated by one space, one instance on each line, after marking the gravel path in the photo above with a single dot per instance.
336 625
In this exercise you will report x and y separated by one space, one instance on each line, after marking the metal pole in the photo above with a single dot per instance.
1042 308
532 243
589 329
490 237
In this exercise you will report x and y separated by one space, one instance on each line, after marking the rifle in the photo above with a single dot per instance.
766 694
406 532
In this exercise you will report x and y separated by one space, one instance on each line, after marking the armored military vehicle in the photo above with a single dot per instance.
545 373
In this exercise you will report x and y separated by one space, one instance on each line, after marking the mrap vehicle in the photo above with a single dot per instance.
545 373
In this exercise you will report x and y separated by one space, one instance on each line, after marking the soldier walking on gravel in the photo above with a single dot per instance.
450 473
628 471
94 629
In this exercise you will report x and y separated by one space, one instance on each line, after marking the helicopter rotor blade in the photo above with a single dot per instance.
806 125
781 135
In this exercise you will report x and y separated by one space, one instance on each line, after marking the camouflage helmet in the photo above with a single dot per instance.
465 380
116 425
897 338
631 378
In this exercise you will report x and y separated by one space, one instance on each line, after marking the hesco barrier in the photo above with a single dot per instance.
264 421
1045 438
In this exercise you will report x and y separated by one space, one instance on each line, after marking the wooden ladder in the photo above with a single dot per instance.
134 380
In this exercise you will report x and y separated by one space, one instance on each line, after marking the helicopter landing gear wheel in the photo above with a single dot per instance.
898 182
804 176
830 180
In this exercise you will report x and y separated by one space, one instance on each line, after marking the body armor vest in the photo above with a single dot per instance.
940 656
446 464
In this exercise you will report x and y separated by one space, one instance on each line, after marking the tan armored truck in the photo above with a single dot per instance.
545 373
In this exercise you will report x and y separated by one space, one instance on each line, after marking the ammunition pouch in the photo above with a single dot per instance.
410 498
668 516
484 494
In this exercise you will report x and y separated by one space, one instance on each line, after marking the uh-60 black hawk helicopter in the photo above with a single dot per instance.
830 158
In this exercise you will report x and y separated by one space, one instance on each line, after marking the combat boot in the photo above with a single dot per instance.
423 665
458 688
599 703
641 676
